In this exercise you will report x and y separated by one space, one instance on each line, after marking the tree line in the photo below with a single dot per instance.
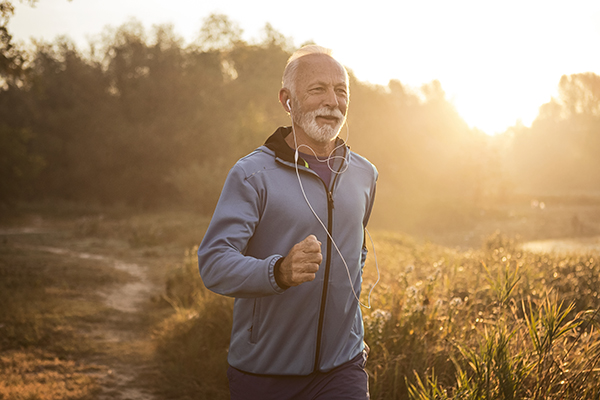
140 118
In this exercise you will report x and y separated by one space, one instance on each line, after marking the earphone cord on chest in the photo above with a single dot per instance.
368 306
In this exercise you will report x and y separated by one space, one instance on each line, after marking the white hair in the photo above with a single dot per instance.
291 68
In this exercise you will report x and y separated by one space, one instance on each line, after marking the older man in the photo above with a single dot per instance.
287 241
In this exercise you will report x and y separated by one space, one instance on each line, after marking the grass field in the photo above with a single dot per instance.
108 304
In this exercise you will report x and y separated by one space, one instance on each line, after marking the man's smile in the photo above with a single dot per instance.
330 119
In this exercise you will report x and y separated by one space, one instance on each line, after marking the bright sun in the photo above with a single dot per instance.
495 106
497 63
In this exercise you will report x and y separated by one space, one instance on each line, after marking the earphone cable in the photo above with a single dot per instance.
368 306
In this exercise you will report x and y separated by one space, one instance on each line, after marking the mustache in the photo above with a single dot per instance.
327 112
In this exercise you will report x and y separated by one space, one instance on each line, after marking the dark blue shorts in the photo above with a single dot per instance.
349 381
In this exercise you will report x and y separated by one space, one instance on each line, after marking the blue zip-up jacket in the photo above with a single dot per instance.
261 214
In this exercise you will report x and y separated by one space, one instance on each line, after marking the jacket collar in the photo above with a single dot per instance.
277 143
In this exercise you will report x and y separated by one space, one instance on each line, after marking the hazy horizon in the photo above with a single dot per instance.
520 50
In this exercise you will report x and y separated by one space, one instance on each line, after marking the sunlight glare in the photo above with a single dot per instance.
497 62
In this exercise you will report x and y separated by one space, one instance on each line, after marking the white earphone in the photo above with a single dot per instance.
296 156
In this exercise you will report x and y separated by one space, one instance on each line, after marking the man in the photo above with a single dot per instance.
287 241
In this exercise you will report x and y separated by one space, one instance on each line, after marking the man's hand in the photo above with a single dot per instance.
302 262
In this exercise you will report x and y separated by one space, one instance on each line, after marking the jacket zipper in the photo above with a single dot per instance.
330 207
325 280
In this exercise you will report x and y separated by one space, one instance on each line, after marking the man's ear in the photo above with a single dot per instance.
285 99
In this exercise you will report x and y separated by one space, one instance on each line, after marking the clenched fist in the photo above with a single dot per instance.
302 262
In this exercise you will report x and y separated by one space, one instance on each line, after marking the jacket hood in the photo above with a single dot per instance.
276 142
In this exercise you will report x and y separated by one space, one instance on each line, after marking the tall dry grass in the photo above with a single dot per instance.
499 323
192 343
496 323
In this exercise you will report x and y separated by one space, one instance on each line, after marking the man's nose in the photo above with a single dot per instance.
331 99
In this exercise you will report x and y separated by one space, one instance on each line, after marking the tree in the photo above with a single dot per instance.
218 32
580 93
11 59
558 154
18 163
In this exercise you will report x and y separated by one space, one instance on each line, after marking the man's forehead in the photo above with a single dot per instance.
321 66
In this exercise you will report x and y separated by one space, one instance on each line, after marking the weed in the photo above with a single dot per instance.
192 343
528 338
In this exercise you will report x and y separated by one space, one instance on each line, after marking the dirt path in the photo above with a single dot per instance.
120 380
124 360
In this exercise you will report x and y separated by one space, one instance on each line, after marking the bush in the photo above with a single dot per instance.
192 344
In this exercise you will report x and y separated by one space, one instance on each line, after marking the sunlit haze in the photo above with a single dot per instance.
498 62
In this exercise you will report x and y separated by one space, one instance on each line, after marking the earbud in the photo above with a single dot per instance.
289 105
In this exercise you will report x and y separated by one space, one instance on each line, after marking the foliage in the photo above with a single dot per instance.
18 166
499 323
192 344
495 324
558 153
27 375
136 118
120 124
200 184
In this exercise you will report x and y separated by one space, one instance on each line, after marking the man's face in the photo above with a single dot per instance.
321 97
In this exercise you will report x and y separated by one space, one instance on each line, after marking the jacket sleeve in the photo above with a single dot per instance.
224 267
368 216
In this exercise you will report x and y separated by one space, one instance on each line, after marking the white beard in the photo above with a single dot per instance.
325 133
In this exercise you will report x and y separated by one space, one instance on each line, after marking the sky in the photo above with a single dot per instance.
497 61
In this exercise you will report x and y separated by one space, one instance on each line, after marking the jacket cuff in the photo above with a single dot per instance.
273 273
